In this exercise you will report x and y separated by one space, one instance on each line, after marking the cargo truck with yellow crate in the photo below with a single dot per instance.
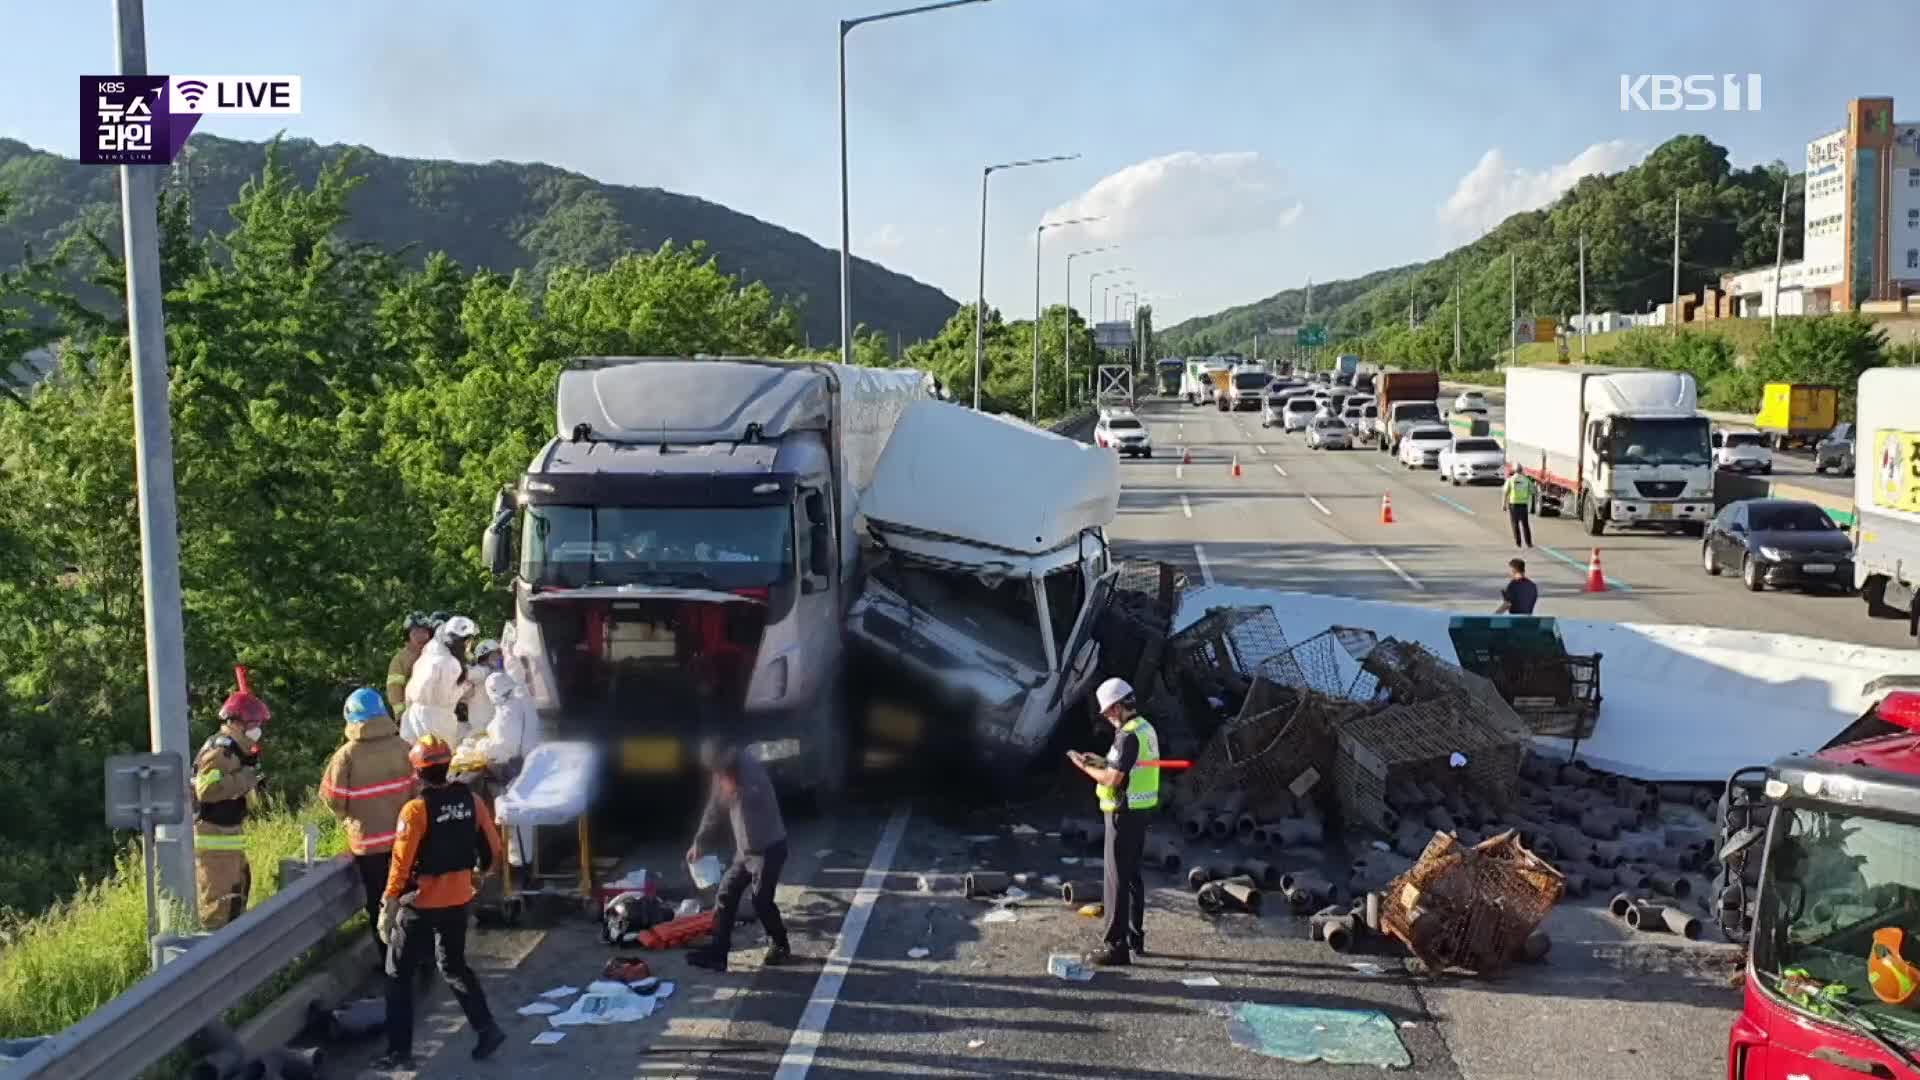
1797 415
1886 495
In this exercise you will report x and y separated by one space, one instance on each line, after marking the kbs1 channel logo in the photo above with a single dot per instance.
145 119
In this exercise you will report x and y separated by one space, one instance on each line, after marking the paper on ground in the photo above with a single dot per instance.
624 1007
560 992
1201 981
918 953
548 1038
663 991
999 914
538 1008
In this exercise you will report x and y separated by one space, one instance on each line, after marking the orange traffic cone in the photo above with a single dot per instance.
1386 509
1236 464
1596 581
1186 458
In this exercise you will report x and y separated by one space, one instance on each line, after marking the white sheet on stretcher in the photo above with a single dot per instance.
554 786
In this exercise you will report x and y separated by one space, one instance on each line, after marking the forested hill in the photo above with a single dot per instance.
1727 222
501 216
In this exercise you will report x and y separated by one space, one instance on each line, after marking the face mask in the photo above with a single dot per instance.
253 734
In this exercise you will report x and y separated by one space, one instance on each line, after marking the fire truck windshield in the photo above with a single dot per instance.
1831 879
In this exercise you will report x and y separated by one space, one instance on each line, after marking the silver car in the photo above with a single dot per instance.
1329 433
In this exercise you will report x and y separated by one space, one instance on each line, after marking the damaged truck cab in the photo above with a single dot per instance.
683 553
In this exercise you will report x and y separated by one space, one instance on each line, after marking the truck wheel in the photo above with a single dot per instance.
1590 516
1750 574
1874 592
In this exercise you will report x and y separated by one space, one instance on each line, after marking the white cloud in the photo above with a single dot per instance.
1187 194
1495 189
885 240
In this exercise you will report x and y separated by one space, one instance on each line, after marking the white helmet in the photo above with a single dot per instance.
459 627
1111 693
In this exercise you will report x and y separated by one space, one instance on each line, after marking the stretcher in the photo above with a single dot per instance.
554 789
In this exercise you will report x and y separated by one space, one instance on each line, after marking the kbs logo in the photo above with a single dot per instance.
145 119
1689 93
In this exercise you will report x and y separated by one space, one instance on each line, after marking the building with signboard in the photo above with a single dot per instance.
1862 230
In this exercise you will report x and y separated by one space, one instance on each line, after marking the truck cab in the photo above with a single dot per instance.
1831 986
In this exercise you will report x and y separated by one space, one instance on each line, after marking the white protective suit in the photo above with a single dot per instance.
510 736
438 684
479 703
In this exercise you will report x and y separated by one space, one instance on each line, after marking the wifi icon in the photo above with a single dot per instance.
191 89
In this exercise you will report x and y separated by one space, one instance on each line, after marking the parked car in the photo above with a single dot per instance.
1299 411
1472 461
1835 451
1471 401
1123 431
1779 542
1420 446
1742 451
1329 433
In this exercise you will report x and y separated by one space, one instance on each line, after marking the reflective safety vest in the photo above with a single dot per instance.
1143 781
219 842
1519 489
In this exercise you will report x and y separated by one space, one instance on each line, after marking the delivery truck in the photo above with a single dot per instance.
683 554
1886 494
1612 445
1168 372
1797 415
1405 398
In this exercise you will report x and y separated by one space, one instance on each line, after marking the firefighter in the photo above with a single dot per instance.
1127 784
400 668
444 833
225 772
366 783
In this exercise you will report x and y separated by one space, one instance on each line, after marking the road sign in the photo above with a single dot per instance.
1113 335
1116 383
1310 336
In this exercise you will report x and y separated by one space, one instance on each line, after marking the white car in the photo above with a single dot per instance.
1274 408
1472 461
1471 401
1329 433
1421 445
1298 413
1123 432
1742 451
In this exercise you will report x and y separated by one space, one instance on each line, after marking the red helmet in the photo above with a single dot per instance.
431 750
241 705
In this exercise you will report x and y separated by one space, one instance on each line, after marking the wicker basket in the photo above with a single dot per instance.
1470 908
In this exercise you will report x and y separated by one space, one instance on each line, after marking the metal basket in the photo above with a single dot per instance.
1275 756
1379 752
1470 908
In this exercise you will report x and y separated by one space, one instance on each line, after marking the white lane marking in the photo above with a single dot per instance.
1206 569
1262 449
1455 505
826 990
1179 472
1320 506
1383 468
1280 470
1185 506
1404 576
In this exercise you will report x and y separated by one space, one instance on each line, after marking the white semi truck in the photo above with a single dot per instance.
1886 494
1624 446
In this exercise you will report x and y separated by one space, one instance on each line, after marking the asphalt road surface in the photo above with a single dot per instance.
858 1002
1305 520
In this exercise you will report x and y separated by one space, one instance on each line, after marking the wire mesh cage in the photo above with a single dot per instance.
1134 626
1380 753
1470 907
1233 640
1327 663
1271 757
1411 672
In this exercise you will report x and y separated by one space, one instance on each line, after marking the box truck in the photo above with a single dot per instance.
1405 398
1797 414
1618 445
1886 494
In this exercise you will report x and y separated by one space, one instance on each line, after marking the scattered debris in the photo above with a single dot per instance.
1366 967
663 991
548 1038
538 1008
975 1044
1069 860
941 883
1470 907
688 907
1306 1035
983 883
626 969
919 952
1012 894
1200 981
1093 911
1024 829
999 915
1069 967
560 992
1234 894
981 838
822 853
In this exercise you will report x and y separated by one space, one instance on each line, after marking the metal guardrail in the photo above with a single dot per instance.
162 1011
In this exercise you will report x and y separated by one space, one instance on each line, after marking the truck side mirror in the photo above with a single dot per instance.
816 507
819 558
496 544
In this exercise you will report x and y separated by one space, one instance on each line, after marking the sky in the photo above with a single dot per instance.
1232 148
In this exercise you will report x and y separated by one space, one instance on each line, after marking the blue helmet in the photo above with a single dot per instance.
363 705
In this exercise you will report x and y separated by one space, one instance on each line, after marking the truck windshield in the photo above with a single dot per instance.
1251 380
1003 615
1660 442
714 547
1414 412
1831 880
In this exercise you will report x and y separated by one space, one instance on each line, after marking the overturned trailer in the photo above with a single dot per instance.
987 571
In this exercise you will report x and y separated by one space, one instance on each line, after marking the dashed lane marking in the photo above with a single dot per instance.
1206 569
1185 506
1395 567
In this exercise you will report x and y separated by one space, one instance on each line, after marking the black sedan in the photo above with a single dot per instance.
1779 542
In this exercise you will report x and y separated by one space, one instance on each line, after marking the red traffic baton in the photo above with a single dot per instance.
1167 763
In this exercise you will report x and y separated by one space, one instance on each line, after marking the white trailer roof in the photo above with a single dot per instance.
999 483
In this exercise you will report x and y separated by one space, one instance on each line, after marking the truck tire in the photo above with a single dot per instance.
1590 516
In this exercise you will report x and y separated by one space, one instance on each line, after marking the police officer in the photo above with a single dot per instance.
443 834
1129 792
1517 493
225 772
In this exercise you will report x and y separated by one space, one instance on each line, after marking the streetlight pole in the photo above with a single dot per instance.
846 258
153 459
1066 359
1033 408
1583 294
980 305
1779 253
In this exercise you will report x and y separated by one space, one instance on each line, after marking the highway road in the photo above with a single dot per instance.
1310 521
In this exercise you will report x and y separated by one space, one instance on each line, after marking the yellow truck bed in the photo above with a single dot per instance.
1798 411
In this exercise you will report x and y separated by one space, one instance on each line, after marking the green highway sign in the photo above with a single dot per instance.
1309 336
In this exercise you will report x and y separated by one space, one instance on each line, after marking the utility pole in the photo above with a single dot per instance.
1457 299
153 461
1673 313
1779 252
1583 294
1513 304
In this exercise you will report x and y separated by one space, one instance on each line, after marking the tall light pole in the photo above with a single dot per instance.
846 258
1583 294
1513 303
153 461
1066 359
1033 408
1779 252
1097 275
980 306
